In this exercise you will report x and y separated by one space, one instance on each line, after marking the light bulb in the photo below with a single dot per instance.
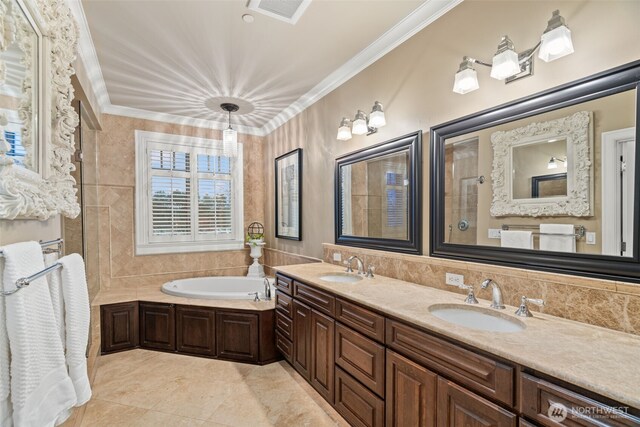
376 118
466 81
344 131
229 142
505 62
556 40
360 124
552 164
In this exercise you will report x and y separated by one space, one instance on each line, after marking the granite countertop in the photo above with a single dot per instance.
604 361
155 294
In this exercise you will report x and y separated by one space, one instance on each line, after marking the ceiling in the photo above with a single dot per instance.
172 60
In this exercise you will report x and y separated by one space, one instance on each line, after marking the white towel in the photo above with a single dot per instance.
557 237
41 389
516 239
55 290
77 317
6 410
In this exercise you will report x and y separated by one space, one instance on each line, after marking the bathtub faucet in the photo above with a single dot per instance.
267 289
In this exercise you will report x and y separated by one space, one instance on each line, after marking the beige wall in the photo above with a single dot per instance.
414 83
114 207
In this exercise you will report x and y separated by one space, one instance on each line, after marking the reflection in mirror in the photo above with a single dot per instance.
375 197
19 86
545 174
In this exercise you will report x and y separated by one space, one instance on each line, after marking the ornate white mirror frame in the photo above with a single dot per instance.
23 192
577 130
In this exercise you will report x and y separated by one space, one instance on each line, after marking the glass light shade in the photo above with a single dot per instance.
505 64
360 124
552 164
377 119
555 44
230 142
466 81
344 132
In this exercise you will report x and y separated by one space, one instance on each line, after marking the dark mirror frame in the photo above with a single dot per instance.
412 142
616 80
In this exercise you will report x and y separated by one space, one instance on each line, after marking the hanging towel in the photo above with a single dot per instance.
516 239
77 317
41 390
55 290
557 237
6 410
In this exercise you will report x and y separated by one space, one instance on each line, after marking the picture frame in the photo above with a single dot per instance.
288 188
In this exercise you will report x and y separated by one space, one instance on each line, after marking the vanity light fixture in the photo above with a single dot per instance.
553 163
362 124
509 65
229 135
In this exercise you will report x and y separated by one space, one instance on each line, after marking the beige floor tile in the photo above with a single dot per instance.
197 400
106 414
155 419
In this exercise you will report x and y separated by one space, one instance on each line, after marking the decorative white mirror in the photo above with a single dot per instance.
38 42
544 168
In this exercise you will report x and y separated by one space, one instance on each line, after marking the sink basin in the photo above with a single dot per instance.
476 318
340 278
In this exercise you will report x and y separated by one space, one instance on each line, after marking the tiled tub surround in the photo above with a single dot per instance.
610 304
597 359
112 207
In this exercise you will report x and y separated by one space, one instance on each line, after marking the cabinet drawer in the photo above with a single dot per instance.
537 395
460 407
360 319
360 357
283 303
285 284
476 372
356 404
285 346
317 299
284 325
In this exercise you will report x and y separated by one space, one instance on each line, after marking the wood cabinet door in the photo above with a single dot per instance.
157 326
237 336
119 327
458 406
302 339
356 403
322 354
196 330
411 393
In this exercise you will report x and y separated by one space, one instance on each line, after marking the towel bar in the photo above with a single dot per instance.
44 245
26 281
580 230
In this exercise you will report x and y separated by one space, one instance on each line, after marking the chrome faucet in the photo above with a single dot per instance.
496 294
360 265
267 289
524 310
256 296
471 296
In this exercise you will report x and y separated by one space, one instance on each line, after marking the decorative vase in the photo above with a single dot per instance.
256 269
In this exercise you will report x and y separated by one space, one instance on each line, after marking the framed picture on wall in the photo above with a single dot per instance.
289 195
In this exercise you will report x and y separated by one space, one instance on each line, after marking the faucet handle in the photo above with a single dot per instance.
370 271
471 296
257 297
349 268
523 310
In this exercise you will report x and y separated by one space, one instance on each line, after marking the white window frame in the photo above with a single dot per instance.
145 245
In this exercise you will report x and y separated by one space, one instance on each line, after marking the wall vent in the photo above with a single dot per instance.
285 10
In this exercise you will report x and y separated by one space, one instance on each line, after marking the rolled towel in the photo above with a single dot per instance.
41 390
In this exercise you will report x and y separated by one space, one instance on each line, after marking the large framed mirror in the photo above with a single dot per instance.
548 182
38 42
378 196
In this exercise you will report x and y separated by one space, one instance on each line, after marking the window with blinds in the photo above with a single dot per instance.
189 195
16 151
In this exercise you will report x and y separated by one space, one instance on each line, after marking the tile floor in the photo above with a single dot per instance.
145 388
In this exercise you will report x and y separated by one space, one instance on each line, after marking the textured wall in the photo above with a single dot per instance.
114 207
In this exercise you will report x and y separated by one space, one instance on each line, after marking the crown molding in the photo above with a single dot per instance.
422 16
137 113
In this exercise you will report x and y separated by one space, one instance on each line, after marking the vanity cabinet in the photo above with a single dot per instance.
119 327
157 326
302 339
322 354
195 330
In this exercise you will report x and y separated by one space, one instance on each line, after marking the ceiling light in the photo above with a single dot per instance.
360 124
376 118
229 135
509 65
505 61
344 131
248 18
556 41
466 79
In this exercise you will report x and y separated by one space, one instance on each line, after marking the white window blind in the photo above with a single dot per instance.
189 195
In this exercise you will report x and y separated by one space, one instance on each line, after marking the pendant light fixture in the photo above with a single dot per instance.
509 65
229 135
